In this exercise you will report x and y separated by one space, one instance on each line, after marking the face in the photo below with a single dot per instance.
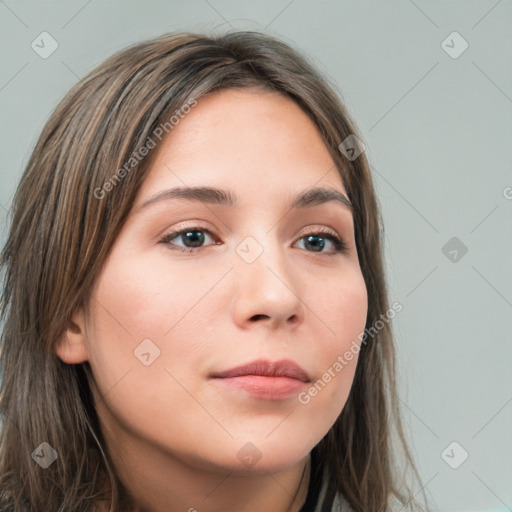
195 287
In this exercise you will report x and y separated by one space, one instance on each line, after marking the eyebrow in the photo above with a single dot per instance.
216 196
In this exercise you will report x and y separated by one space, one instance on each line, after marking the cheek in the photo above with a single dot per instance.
148 314
142 297
342 309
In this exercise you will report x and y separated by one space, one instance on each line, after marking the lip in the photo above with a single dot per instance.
265 379
266 388
265 368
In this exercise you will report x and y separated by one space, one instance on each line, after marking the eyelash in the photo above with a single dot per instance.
340 246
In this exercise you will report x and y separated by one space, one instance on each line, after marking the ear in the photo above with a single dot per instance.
71 347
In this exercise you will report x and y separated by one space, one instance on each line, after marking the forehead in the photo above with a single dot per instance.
244 140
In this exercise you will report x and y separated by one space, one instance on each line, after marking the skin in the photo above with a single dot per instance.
172 432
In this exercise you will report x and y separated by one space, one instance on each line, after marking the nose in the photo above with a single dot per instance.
267 291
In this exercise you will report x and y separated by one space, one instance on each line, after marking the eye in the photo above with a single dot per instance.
316 240
192 238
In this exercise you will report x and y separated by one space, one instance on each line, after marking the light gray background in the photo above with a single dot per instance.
438 132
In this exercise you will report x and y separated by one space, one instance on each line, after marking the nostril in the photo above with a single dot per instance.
257 317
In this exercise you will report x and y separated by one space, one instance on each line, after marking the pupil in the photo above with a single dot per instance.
315 246
196 240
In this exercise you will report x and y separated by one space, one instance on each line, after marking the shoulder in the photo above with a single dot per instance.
340 504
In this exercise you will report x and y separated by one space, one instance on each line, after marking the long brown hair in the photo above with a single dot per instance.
76 192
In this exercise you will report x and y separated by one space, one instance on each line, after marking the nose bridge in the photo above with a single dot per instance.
265 284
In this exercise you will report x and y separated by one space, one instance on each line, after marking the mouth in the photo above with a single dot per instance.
264 379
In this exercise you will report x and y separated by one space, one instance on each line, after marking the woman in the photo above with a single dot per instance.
194 294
